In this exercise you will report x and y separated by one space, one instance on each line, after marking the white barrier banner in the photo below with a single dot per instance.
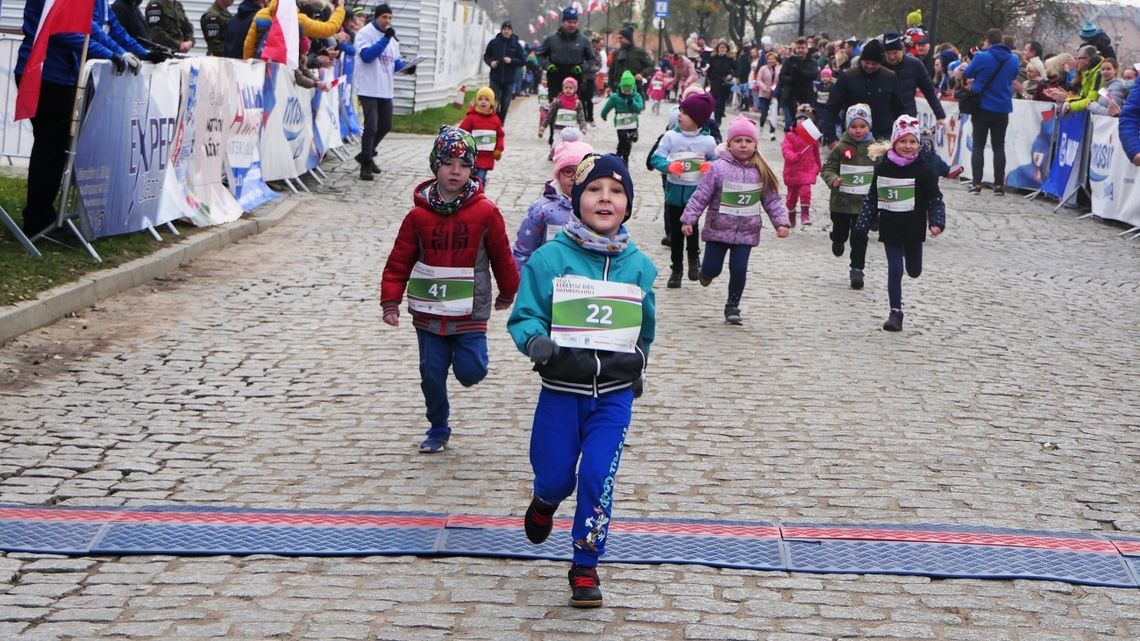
1112 176
15 137
326 116
215 106
299 128
276 155
243 157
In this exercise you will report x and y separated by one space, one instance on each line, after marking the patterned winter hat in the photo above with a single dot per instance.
804 111
858 111
452 142
595 166
905 125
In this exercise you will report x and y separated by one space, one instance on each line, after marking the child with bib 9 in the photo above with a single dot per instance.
447 247
625 104
848 173
565 110
906 200
586 317
487 129
733 191
546 216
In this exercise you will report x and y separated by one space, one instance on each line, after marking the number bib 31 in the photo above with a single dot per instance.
596 314
740 199
625 121
896 194
855 179
485 139
443 291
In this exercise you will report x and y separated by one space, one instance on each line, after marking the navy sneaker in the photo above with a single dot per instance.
434 443
539 520
856 278
584 590
894 321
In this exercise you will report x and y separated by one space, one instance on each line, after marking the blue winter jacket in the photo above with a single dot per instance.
499 48
1129 125
580 371
999 60
61 64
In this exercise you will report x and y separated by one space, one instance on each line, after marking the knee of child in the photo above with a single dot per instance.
470 374
914 271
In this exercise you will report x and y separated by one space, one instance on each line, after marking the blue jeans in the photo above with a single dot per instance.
466 353
737 266
568 428
909 255
481 174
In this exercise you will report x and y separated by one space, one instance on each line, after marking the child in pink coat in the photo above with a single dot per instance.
802 164
657 88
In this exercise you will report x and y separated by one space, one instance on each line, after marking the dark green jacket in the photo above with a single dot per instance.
215 22
168 24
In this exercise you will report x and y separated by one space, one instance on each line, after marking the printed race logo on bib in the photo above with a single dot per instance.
596 314
856 179
566 118
691 167
552 231
896 194
740 199
625 121
485 139
443 291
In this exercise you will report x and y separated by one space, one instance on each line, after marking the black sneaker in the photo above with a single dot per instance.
999 190
365 173
732 315
837 248
666 242
704 280
539 520
974 189
584 590
894 321
674 280
856 278
694 269
374 167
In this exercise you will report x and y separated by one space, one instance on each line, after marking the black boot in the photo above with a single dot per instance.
894 321
694 268
856 278
674 280
732 315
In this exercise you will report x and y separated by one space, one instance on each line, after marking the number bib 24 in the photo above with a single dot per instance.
740 199
596 314
485 139
443 291
856 179
625 121
896 194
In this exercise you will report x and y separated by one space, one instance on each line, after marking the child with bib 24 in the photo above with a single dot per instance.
848 173
739 183
905 199
487 130
444 253
586 317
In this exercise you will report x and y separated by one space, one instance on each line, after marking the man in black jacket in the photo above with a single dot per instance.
869 83
131 17
239 27
629 58
565 53
911 75
504 55
797 74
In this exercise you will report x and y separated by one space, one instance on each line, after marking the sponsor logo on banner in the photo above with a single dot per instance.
1112 176
243 158
1063 173
276 155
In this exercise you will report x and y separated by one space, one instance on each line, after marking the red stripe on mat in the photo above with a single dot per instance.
629 527
222 518
964 538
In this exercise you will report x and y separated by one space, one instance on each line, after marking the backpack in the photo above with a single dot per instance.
653 150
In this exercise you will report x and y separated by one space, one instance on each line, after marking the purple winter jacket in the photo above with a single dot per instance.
553 208
723 228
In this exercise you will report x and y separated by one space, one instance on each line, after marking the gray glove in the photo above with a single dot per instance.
132 61
541 349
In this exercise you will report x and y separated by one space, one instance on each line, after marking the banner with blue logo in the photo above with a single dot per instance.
1112 177
1064 170
120 192
276 155
243 160
349 122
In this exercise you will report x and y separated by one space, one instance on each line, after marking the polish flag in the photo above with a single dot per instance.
554 15
283 42
70 16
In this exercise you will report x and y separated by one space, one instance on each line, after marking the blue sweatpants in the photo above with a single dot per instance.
898 257
586 433
466 353
737 266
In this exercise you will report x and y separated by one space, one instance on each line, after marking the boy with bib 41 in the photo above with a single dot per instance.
444 254
586 317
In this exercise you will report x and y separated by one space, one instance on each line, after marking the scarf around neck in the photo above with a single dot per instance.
901 161
591 240
568 102
435 199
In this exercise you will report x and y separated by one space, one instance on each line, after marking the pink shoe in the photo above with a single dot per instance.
792 219
806 218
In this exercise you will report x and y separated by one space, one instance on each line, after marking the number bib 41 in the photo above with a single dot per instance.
625 121
896 194
485 139
596 314
443 291
856 179
740 199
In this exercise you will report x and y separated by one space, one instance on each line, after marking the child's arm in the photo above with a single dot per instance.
637 105
870 210
936 210
405 252
707 189
648 314
607 108
776 210
532 233
830 170
660 158
500 138
581 116
531 315
498 248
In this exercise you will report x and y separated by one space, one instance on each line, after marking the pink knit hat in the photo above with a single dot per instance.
571 80
903 126
742 127
569 154
825 72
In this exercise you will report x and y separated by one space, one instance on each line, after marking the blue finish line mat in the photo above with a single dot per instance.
927 550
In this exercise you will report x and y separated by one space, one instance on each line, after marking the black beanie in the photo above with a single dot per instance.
872 52
381 9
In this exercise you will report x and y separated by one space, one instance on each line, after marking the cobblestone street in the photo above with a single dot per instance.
262 376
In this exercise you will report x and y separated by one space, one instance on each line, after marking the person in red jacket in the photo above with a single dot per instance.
445 252
487 129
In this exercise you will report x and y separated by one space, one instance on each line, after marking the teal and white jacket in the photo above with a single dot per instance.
581 371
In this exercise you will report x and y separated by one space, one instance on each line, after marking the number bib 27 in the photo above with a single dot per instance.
566 118
856 179
485 139
625 121
596 314
896 194
740 199
443 291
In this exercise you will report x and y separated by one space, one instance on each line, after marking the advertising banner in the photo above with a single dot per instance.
243 157
276 155
298 123
120 192
349 122
326 116
15 137
1112 177
207 163
1064 172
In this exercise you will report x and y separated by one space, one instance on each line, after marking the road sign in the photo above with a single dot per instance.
658 23
661 8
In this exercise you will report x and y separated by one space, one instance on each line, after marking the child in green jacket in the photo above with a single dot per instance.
625 104
848 172
585 317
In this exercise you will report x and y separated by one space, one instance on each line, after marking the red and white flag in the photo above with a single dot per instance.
283 42
59 16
